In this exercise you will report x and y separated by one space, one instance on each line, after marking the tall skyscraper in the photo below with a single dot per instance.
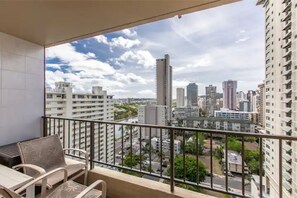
280 94
250 97
164 84
192 94
229 94
180 97
211 100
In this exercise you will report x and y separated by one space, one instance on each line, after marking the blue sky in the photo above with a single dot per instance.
206 47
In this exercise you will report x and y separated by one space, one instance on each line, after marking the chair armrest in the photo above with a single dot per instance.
40 170
43 177
81 151
92 186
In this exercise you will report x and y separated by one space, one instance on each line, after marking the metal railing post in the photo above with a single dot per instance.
44 126
92 147
171 160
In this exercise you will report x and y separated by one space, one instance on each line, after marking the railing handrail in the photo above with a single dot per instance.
211 131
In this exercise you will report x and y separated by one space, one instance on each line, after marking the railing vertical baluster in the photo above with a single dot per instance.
79 135
74 134
122 145
92 146
99 139
69 133
106 142
211 162
64 134
45 127
150 154
140 148
54 126
261 167
280 168
131 136
50 127
86 135
114 159
184 155
59 127
161 152
226 162
197 158
242 167
171 133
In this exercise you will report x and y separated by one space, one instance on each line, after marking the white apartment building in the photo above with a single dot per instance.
280 95
153 115
230 114
98 105
156 144
180 97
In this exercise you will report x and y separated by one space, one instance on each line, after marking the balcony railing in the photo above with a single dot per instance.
79 133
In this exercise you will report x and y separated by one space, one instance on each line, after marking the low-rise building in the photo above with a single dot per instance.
231 114
156 144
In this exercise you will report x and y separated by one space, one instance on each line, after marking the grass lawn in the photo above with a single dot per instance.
216 165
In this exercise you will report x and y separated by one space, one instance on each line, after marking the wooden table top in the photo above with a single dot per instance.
12 179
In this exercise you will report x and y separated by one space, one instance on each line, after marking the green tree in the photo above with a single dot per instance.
190 169
190 146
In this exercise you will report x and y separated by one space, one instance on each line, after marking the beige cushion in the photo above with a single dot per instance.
71 189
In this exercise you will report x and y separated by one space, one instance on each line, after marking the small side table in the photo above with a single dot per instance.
13 180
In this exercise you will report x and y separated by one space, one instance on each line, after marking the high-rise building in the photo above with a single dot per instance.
154 115
192 94
250 97
229 94
261 104
180 97
211 100
159 114
164 84
280 95
244 105
98 105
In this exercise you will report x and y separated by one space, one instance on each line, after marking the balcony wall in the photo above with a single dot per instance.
21 89
123 185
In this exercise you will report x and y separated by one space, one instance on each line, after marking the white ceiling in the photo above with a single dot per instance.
54 22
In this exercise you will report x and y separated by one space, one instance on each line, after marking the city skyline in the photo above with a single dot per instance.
124 62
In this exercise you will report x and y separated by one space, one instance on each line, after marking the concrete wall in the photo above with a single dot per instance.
21 89
121 185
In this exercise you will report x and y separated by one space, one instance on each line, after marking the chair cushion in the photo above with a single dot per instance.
71 189
45 152
72 167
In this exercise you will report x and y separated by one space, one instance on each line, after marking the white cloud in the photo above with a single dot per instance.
101 39
200 61
53 66
91 55
123 42
241 40
140 57
129 78
129 32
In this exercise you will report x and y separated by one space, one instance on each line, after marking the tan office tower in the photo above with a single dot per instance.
280 95
211 99
229 94
164 84
180 97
